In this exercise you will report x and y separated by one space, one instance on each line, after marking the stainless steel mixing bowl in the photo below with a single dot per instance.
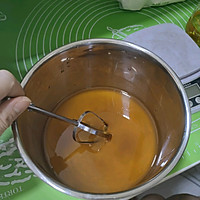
105 63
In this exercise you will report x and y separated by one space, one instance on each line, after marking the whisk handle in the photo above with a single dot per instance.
50 114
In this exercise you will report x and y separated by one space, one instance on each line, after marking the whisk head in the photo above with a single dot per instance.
87 134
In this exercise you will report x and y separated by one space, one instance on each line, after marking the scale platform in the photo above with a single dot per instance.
179 51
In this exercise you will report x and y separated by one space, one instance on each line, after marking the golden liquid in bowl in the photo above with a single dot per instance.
115 166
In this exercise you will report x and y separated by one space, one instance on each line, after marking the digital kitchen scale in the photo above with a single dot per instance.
179 51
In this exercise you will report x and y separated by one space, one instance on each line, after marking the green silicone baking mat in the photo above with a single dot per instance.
31 29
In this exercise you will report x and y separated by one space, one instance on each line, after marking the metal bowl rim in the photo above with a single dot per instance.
123 194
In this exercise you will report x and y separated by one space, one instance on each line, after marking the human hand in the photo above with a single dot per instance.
11 109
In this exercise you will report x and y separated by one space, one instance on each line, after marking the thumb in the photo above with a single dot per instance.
11 109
